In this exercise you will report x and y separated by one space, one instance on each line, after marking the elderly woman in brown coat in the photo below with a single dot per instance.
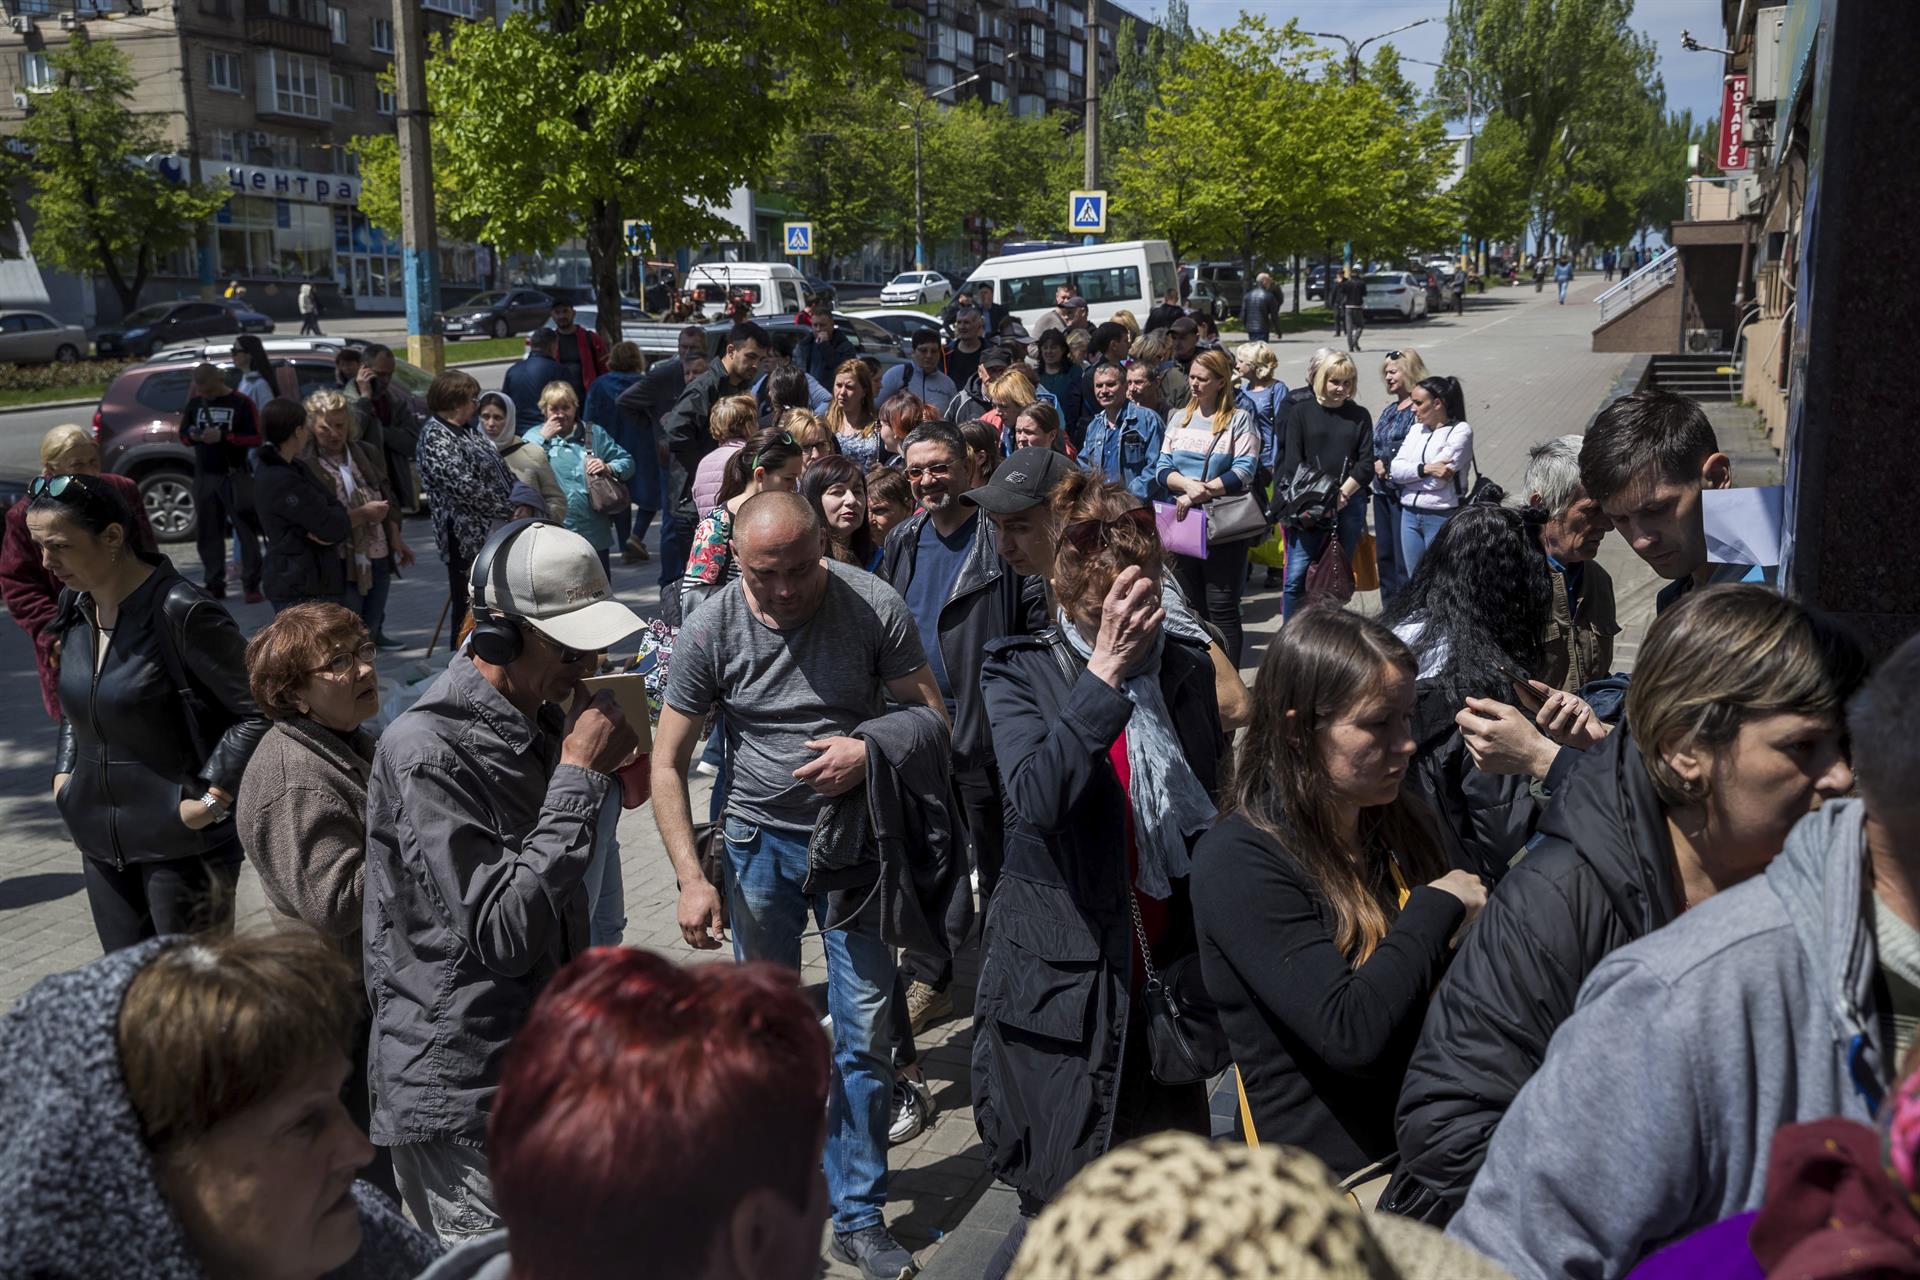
302 812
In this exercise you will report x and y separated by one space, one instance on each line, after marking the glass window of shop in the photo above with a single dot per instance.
265 238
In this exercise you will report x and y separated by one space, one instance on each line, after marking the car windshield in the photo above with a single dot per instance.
483 301
148 315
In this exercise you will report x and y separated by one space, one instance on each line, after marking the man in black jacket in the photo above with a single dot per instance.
647 402
685 426
1259 308
821 353
945 562
304 523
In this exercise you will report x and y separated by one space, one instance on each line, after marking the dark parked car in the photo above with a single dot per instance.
499 314
137 425
163 324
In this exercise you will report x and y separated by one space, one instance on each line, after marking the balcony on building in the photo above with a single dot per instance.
299 25
468 9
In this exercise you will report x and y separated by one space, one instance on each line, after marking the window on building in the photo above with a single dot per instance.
342 87
1036 39
295 84
386 102
1030 104
282 151
939 76
1076 17
1057 81
996 91
226 145
283 239
33 6
1077 58
382 35
36 74
344 161
337 23
458 8
223 71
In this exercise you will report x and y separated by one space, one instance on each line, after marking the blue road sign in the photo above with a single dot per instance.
638 236
799 237
1087 212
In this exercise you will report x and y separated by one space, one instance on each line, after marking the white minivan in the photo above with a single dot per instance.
1129 276
773 288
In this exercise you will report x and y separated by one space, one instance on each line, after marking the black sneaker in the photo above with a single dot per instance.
874 1250
385 641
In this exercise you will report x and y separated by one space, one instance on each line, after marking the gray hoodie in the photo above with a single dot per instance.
1659 1097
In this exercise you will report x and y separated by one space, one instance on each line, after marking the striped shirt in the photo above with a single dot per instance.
1191 447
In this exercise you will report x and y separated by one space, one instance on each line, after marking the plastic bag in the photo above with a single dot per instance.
1271 550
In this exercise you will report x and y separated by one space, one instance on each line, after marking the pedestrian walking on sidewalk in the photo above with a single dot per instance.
1562 277
309 311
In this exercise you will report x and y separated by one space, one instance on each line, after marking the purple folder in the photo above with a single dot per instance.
1186 537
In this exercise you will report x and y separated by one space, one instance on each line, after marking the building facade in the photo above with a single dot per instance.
263 95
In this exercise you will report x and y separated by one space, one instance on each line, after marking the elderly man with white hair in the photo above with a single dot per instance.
1579 643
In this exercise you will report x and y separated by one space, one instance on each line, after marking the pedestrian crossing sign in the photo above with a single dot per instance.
638 236
799 238
1087 212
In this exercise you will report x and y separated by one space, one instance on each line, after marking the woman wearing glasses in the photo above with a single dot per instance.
158 722
302 812
1108 737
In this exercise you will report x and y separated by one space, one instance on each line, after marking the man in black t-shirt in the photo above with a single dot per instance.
221 426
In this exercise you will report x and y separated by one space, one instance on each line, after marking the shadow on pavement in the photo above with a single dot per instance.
32 890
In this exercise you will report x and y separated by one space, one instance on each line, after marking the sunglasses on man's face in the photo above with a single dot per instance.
1089 536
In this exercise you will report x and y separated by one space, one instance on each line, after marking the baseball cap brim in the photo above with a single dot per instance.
1001 501
591 628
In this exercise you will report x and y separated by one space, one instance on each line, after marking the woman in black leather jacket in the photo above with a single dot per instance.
1060 1068
159 723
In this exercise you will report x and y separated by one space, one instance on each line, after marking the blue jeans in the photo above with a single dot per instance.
1386 545
606 894
1562 286
1417 529
767 866
371 605
1304 544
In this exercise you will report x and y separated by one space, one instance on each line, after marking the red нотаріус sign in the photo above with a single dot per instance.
1733 125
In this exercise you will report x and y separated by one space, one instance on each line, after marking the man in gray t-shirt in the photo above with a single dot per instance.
799 651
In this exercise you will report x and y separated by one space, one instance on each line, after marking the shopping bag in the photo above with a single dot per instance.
1366 564
1271 550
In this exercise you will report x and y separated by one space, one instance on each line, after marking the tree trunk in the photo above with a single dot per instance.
604 250
1296 284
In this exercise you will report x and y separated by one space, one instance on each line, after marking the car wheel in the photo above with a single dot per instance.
500 328
67 354
168 499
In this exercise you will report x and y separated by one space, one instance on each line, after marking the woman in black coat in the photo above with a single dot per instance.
1325 909
158 721
1733 732
307 527
1059 1063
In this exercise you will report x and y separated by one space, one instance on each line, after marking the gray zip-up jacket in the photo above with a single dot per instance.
1659 1098
477 842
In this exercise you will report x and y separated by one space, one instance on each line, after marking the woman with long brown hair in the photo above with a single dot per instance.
854 414
1325 910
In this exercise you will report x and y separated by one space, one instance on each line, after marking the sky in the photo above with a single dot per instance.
1692 79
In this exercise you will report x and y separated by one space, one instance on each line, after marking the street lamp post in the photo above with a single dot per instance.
1353 49
919 205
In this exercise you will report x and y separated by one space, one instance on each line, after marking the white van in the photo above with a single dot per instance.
1129 276
776 288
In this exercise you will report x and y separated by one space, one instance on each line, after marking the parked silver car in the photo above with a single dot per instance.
34 337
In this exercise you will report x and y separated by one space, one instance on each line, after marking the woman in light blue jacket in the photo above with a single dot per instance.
578 450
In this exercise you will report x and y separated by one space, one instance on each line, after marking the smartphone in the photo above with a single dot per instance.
1525 696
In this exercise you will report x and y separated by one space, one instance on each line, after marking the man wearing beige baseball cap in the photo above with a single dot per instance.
481 817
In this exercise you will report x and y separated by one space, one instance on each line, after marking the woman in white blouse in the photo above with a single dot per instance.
1431 467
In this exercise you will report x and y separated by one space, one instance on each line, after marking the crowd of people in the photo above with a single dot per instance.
1479 934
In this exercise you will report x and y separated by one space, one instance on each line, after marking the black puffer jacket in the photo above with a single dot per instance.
1485 819
307 530
128 739
1052 1007
1598 876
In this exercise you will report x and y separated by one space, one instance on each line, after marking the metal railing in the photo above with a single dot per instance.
1647 280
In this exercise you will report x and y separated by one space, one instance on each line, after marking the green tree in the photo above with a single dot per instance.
96 206
1134 90
1495 193
574 115
850 166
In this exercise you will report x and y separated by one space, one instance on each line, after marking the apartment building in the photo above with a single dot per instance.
267 93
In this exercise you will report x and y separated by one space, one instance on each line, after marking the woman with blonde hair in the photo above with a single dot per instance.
1257 367
1328 434
1401 372
1125 319
1210 451
579 450
733 420
1325 909
375 547
811 432
1011 392
854 414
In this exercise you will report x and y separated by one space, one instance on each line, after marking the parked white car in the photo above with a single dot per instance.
33 337
911 287
1398 293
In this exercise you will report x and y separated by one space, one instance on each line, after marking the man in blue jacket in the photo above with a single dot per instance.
527 377
1123 440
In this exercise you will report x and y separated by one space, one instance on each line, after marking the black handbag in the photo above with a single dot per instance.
1185 1042
1309 500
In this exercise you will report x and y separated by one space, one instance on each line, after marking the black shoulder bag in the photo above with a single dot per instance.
1185 1042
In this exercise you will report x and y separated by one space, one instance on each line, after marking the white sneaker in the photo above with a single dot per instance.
913 1110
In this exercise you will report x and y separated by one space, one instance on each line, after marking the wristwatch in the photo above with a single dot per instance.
219 808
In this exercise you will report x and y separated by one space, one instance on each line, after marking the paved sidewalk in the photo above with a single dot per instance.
1528 375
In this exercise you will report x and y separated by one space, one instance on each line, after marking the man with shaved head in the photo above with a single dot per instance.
797 652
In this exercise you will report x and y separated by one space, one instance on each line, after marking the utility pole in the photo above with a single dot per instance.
1092 34
419 240
206 252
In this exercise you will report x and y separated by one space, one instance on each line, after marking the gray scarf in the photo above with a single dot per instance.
1169 804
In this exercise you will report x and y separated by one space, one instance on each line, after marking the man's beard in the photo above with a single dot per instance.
936 502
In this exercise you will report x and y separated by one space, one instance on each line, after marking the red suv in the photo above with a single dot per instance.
138 422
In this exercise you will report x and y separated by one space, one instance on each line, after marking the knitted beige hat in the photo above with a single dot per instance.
1176 1207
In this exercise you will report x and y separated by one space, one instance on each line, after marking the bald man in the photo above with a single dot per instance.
32 594
797 652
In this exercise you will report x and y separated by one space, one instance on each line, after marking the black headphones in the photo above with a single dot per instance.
495 636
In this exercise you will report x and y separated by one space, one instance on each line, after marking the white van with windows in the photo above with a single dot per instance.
1129 276
772 288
